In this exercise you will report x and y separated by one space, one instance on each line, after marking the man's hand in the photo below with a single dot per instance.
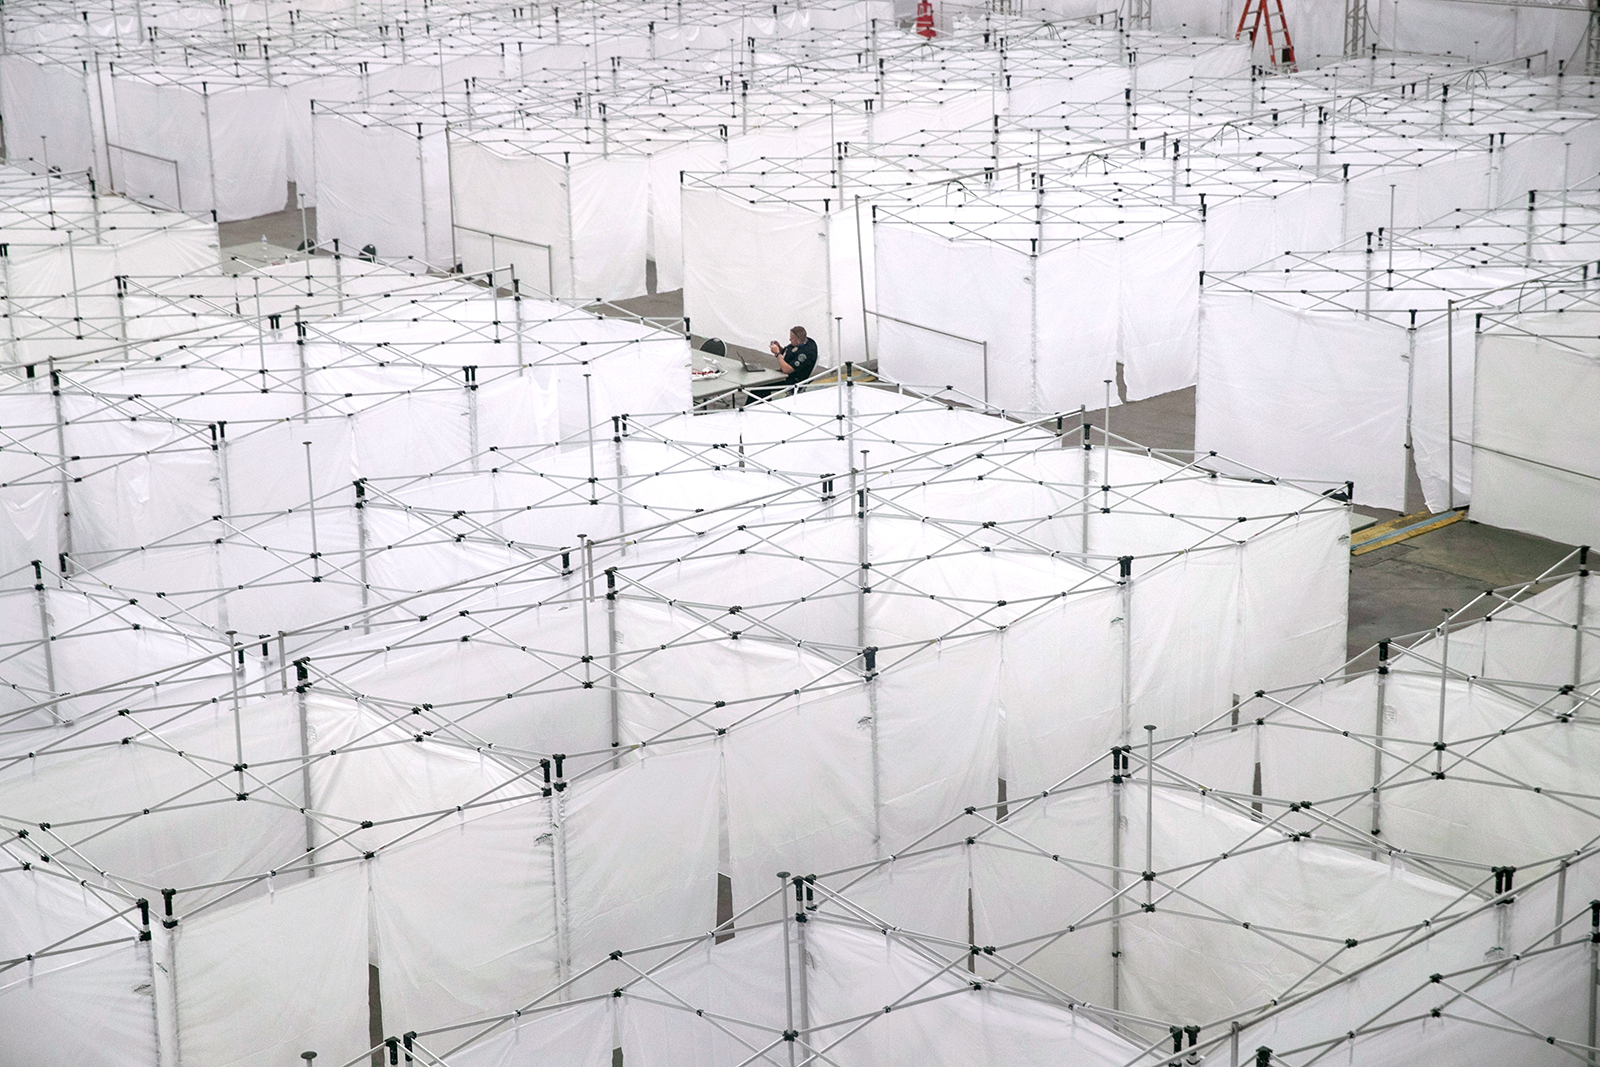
775 348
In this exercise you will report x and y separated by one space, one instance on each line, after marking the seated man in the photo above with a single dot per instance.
797 360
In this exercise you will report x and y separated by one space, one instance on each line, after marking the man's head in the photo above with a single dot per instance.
797 335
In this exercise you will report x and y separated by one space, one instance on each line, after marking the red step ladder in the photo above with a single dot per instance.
1268 14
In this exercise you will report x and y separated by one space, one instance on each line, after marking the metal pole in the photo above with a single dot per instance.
1377 752
1411 378
1105 460
1577 629
1088 450
572 253
1444 677
235 664
422 191
211 159
45 640
613 696
64 480
1149 812
588 591
1594 975
361 549
803 994
1116 880
470 383
861 275
588 409
863 563
1450 402
617 422
122 314
311 503
300 353
788 974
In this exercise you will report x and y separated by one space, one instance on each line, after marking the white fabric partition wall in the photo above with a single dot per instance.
1056 323
571 228
751 271
219 144
1535 448
49 113
383 185
1283 375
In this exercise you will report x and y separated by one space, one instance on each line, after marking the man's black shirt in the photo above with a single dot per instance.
803 358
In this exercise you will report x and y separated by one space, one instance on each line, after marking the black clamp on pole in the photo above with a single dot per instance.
545 764
1263 1057
1383 656
1583 561
302 674
394 1049
561 780
1125 567
166 899
611 583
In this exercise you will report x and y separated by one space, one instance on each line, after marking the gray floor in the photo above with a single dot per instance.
1397 590
281 228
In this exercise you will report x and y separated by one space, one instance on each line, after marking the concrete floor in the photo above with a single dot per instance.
281 228
1400 589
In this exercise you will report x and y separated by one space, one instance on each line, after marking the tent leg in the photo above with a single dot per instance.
585 593
235 665
788 967
1561 902
1149 813
211 156
61 471
1594 976
1377 752
588 410
877 771
472 418
1088 473
45 643
613 696
311 507
305 766
516 302
1444 678
863 563
1577 629
1116 893
11 312
361 550
622 503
